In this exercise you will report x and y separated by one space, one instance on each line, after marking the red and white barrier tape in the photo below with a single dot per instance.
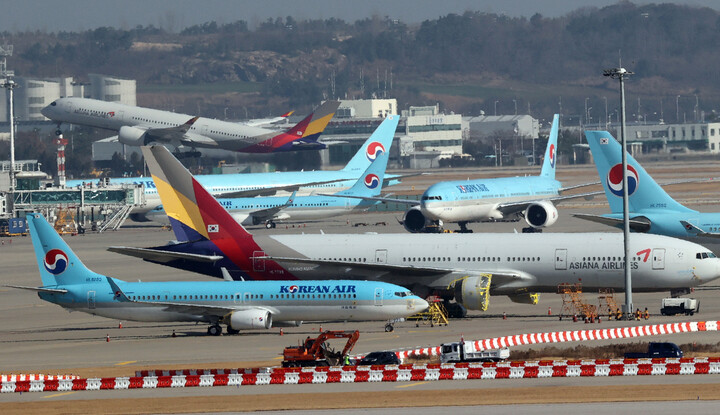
574 336
34 376
394 373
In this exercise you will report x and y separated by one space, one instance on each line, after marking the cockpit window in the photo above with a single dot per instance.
403 293
432 198
704 255
54 103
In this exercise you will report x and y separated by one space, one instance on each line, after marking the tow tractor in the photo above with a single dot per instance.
317 352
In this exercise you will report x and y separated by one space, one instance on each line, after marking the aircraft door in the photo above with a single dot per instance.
246 297
91 300
257 261
381 256
237 298
658 260
561 259
379 296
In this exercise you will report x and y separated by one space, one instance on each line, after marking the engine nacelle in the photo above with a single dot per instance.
132 136
250 319
291 323
473 292
541 214
525 298
415 222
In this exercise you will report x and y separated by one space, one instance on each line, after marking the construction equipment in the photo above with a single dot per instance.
573 302
436 314
317 352
65 223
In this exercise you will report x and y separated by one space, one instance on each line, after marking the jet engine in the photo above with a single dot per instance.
289 323
415 222
473 292
132 136
250 319
541 214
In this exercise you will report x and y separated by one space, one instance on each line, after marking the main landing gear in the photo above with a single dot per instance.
214 330
270 224
464 228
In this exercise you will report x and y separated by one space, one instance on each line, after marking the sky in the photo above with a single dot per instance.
174 15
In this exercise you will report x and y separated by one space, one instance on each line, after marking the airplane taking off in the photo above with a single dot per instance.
485 200
652 210
137 126
264 184
466 266
268 210
238 304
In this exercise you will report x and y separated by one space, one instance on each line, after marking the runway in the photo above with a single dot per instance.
38 337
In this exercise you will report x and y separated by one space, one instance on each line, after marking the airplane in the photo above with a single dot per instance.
268 210
652 210
137 126
468 267
267 121
240 305
263 184
485 200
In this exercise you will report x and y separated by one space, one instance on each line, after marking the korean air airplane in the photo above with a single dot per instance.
259 184
652 210
467 267
137 126
237 304
268 210
485 200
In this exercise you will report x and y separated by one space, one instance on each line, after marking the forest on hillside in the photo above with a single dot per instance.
535 61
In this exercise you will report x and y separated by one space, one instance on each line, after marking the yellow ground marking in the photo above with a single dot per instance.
59 394
411 385
125 363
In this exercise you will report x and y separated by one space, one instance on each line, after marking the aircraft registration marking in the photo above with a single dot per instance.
55 395
411 385
125 363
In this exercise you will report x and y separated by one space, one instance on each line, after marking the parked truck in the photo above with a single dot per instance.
465 352
672 306
657 350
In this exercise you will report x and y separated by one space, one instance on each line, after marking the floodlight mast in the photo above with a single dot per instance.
620 74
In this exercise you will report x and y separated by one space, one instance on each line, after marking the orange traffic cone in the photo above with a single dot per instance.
281 331
504 316
120 325
107 338
549 311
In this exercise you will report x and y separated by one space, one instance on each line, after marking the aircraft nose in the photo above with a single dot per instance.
47 111
421 305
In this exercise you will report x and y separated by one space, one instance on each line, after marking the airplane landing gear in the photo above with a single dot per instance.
530 229
389 327
270 224
214 330
231 330
464 228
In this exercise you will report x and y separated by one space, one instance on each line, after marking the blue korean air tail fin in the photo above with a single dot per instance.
58 264
550 160
371 181
644 193
379 141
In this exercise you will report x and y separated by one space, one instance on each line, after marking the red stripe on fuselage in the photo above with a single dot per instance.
270 145
234 241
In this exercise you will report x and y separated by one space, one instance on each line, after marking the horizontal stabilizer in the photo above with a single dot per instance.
38 289
160 256
693 229
638 224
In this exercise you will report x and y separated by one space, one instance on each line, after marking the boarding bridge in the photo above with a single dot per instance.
94 207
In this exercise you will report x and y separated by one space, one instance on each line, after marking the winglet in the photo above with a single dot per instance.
118 294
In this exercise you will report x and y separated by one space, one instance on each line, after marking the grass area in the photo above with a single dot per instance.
204 88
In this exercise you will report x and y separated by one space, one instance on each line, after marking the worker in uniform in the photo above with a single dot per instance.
647 314
346 361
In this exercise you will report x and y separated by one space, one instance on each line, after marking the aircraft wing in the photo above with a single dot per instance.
698 231
269 191
499 277
377 199
637 224
185 308
577 186
38 289
162 257
176 133
517 207
269 213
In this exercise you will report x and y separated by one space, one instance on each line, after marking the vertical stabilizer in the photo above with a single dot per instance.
379 141
370 182
57 263
644 193
550 160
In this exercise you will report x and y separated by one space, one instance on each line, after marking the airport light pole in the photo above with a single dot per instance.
10 85
620 74
496 102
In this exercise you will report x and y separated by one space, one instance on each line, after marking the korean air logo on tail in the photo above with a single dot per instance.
55 261
614 180
374 149
552 155
372 181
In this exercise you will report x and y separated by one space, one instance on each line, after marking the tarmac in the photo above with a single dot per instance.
38 337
